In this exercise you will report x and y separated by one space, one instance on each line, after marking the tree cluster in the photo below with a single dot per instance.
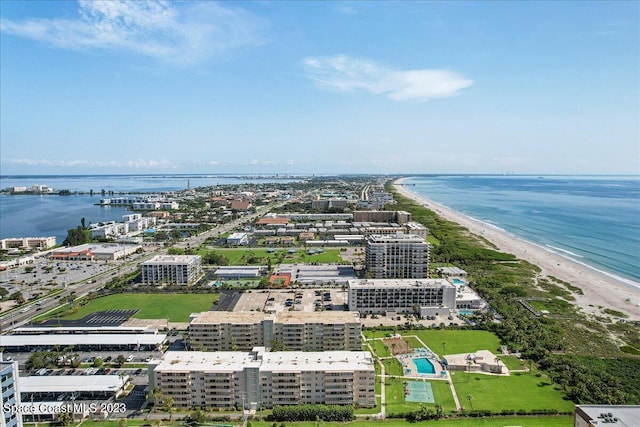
332 413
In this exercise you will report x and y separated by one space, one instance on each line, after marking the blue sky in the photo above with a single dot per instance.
319 87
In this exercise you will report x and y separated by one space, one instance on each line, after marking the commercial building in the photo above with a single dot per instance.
38 243
290 330
319 275
378 296
260 379
609 415
398 257
237 239
9 395
82 341
93 251
171 270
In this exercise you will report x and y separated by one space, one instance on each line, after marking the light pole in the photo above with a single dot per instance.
469 398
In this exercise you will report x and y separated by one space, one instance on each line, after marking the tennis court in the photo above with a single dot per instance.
418 391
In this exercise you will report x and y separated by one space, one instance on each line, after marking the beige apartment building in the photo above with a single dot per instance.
261 379
293 330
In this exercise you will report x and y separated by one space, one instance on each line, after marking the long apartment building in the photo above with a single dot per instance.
39 243
398 256
377 296
261 379
171 270
289 330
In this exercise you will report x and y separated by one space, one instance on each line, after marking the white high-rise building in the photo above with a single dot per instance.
399 256
377 296
171 269
10 395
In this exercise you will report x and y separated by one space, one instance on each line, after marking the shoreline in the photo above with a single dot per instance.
599 288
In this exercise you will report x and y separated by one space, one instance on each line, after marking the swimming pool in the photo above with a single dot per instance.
424 366
459 282
465 312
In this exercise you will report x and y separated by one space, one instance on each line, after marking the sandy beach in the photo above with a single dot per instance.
599 289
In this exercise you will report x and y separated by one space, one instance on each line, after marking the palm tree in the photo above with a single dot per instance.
156 395
468 369
168 405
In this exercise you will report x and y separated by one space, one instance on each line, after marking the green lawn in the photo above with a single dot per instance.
256 256
396 398
562 421
174 307
517 391
457 341
394 392
380 349
513 362
392 367
413 342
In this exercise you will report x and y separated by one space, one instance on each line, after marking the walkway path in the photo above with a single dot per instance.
383 404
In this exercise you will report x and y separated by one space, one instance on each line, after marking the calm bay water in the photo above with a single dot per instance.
592 220
52 215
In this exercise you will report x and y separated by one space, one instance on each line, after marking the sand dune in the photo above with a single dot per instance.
600 290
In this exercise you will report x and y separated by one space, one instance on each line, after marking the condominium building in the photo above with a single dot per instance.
289 330
39 243
9 396
400 217
401 295
171 269
261 379
397 257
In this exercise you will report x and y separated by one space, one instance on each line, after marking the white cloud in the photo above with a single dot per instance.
184 33
343 73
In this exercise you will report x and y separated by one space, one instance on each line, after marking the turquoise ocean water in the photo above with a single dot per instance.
594 220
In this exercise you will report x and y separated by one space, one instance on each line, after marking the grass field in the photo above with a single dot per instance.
380 349
564 421
517 391
174 307
395 396
255 256
455 341
392 367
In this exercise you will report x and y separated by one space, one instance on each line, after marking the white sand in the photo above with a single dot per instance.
599 289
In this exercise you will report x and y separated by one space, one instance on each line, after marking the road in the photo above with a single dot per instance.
16 318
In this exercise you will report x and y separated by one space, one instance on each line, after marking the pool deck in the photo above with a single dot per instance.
411 370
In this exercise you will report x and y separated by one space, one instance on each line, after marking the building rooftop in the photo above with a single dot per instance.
80 339
208 317
611 415
169 259
70 383
318 317
279 361
399 283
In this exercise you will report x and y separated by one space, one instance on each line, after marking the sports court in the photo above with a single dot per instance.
418 391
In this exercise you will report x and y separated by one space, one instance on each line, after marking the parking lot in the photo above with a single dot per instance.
307 300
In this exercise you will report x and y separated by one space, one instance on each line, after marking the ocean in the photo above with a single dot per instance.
52 215
594 220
